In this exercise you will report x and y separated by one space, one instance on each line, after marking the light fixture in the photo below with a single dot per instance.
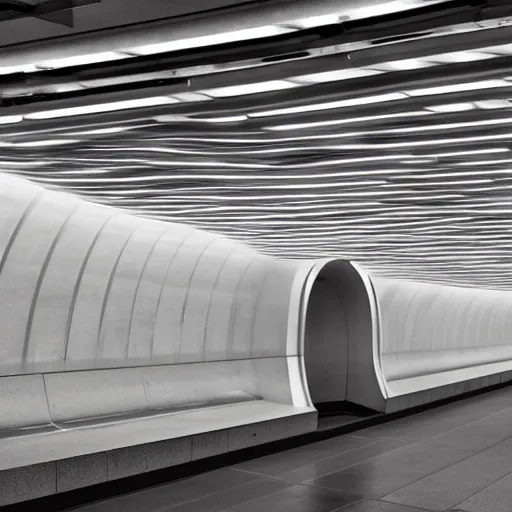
22 68
460 87
471 152
353 102
456 57
333 76
81 60
211 40
484 162
380 9
451 107
493 104
42 143
255 88
336 122
401 65
316 21
102 107
191 97
10 119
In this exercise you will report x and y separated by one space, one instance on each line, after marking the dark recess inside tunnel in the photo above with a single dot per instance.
337 317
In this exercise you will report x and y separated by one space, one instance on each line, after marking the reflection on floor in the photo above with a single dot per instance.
455 457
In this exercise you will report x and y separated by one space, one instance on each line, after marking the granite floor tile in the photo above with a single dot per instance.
232 497
481 434
288 460
432 422
298 498
444 489
386 473
166 496
309 472
495 498
378 506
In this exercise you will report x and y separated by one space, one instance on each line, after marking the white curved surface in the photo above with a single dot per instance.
95 300
434 335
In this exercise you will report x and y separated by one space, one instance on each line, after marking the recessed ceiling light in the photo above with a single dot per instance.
81 60
451 107
334 76
471 152
335 122
10 119
316 21
493 104
255 88
211 40
102 107
191 96
455 57
24 68
43 143
401 65
353 102
460 87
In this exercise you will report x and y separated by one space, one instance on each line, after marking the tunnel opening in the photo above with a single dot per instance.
339 342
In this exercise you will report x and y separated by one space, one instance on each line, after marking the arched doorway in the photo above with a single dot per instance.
340 338
326 342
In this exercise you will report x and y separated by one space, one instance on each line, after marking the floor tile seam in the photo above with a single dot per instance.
334 456
319 460
345 507
438 471
483 489
419 509
289 484
428 413
209 495
303 484
354 463
438 434
389 439
362 461
426 439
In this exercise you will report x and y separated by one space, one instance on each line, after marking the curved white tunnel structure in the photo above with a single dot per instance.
131 344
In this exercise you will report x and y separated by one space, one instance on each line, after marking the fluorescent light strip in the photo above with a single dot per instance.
460 87
465 153
353 102
211 40
402 65
484 162
426 142
457 57
102 107
10 119
81 60
23 68
39 143
255 88
337 122
334 76
451 107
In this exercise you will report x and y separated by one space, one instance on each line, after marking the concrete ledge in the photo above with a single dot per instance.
32 466
400 402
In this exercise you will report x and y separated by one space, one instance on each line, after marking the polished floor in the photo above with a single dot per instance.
452 458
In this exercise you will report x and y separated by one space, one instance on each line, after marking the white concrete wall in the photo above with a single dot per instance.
433 335
85 287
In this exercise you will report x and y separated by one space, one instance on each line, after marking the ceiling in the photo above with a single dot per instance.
386 140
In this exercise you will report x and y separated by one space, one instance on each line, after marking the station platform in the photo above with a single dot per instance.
454 457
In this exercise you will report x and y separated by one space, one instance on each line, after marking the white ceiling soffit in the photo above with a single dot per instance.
165 35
